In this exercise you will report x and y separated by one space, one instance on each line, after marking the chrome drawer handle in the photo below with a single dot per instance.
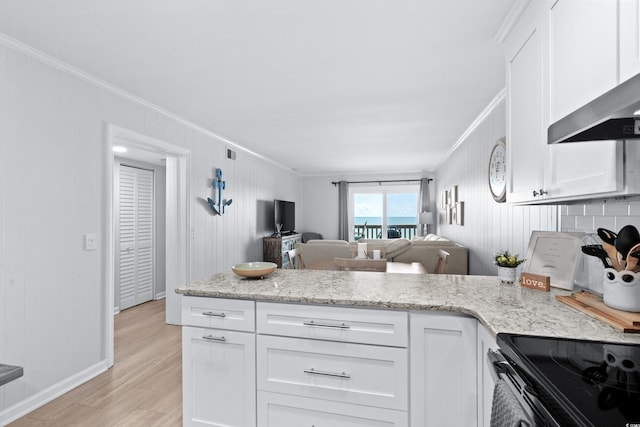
327 374
212 338
326 325
211 313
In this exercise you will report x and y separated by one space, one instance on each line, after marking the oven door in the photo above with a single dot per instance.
514 399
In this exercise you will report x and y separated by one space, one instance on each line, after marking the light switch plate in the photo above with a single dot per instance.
90 242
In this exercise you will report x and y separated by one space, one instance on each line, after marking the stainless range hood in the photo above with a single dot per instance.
614 115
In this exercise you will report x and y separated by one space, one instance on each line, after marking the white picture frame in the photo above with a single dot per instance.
460 213
555 255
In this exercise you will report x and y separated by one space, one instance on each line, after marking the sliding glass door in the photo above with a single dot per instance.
381 212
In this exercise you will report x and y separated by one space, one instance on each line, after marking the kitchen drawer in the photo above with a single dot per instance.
351 373
366 326
237 315
277 410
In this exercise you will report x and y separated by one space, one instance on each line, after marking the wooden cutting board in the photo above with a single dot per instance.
593 306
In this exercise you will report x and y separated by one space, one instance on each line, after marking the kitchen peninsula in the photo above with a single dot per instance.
318 344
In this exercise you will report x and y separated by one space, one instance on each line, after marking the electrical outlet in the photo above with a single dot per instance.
90 242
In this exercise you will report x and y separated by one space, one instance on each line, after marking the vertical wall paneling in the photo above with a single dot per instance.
488 226
14 240
3 192
53 185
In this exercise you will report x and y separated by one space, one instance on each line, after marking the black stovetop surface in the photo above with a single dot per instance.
583 383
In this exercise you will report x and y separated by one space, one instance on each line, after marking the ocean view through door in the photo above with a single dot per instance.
384 212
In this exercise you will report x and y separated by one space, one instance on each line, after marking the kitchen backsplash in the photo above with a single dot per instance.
587 217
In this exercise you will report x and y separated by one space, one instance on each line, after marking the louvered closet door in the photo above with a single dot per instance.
135 273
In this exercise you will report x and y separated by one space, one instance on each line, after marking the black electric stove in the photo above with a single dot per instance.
581 383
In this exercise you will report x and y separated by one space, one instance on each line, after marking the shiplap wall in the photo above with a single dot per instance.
488 226
52 179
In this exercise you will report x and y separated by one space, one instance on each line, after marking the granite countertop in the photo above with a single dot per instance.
9 373
499 307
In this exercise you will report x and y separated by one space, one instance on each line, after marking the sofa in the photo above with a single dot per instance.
319 254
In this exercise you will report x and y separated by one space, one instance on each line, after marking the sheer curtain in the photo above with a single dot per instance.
423 198
343 210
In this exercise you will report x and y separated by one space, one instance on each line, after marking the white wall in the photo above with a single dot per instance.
488 226
53 172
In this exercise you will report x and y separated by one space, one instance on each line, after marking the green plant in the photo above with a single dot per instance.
505 259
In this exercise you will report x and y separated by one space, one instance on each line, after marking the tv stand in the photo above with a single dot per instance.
274 249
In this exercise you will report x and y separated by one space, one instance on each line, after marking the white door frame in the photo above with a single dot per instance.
177 224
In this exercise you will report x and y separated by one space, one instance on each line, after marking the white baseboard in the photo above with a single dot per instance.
161 295
32 403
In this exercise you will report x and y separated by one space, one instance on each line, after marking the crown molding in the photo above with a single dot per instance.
502 94
60 65
510 20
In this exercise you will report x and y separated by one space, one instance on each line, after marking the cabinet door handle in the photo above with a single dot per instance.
541 193
326 325
213 338
212 314
327 374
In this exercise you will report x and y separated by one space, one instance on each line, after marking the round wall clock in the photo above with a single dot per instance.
498 171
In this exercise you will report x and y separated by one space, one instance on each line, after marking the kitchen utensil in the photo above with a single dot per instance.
633 257
598 252
608 238
627 238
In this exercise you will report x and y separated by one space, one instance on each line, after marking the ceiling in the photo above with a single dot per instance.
321 87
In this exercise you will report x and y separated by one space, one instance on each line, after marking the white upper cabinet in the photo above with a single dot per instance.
560 56
629 38
583 45
526 124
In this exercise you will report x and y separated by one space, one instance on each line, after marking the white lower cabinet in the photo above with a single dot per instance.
281 410
443 370
218 362
324 366
331 366
218 378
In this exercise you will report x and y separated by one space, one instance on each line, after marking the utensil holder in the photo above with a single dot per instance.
622 290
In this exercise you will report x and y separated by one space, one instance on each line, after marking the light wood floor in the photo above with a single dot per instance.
144 387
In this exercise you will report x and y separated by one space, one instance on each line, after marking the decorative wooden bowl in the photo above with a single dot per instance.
254 269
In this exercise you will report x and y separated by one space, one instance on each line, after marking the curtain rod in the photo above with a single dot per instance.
381 181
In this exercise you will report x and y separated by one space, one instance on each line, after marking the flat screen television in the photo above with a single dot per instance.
284 213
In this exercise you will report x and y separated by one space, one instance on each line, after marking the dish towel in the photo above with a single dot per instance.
506 410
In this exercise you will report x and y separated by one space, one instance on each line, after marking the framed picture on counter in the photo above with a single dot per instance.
555 255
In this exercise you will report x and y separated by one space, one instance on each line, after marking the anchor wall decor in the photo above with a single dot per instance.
218 184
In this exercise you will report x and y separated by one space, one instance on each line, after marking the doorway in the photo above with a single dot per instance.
176 231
